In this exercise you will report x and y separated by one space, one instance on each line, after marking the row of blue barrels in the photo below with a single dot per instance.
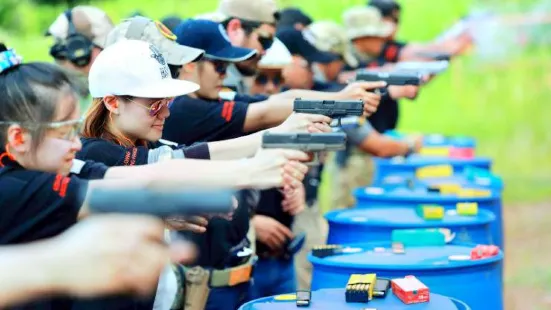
391 204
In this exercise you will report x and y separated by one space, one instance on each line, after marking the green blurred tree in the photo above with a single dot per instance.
8 15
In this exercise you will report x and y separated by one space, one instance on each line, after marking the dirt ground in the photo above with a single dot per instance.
528 256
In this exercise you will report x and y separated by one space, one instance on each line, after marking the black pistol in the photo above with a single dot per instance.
336 109
306 142
399 78
161 203
435 55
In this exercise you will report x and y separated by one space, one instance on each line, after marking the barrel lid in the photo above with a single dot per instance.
435 140
414 258
404 217
418 160
488 181
462 141
334 299
394 134
418 195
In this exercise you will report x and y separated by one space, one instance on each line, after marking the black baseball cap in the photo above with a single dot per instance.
291 16
299 43
386 7
171 22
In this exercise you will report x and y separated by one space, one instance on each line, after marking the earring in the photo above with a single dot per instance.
6 154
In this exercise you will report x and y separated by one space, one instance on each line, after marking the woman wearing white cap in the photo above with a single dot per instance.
132 88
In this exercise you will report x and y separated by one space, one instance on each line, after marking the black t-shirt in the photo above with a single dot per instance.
386 117
38 205
197 120
111 154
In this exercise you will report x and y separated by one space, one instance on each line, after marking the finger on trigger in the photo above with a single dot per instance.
295 155
319 118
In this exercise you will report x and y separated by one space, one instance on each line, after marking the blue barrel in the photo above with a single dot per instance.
381 197
329 299
375 224
488 181
407 167
475 282
437 140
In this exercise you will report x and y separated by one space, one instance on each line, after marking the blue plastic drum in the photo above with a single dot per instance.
443 269
376 225
333 299
400 197
406 167
492 182
470 177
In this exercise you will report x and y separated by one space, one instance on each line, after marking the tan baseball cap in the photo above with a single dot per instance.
154 32
331 37
89 21
264 11
212 16
365 21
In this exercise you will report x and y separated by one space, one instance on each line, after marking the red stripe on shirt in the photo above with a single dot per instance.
57 183
391 53
230 111
64 185
225 110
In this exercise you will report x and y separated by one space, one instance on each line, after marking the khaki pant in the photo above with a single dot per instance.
314 225
358 172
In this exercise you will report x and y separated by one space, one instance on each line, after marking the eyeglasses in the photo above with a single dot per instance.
263 79
72 128
219 66
154 107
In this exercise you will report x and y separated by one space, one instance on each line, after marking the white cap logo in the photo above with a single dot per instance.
156 54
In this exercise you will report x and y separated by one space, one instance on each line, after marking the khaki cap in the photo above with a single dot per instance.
263 11
89 21
365 21
154 32
331 37
212 16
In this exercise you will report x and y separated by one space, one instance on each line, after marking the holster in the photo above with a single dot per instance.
196 289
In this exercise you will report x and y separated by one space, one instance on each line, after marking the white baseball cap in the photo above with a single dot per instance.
134 68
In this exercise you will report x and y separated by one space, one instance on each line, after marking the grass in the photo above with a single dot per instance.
503 105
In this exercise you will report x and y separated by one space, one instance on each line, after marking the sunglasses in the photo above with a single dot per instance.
73 128
263 79
155 106
219 66
264 38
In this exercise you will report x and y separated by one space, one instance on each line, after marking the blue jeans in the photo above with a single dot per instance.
273 276
228 298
